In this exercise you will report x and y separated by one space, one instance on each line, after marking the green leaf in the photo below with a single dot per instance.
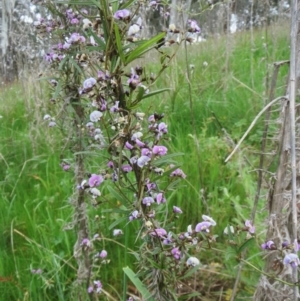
188 296
166 159
62 63
246 244
118 196
155 92
126 4
190 272
138 284
117 222
143 48
230 253
96 3
58 88
101 45
75 65
119 43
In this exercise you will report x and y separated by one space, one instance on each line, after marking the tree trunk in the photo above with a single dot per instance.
280 220
7 63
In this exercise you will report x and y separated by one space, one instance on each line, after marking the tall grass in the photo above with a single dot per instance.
35 192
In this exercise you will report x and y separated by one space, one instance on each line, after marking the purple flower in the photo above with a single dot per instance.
193 26
291 259
86 243
134 215
115 108
95 116
136 135
209 219
285 244
249 227
296 246
89 83
90 289
162 127
159 232
74 21
142 161
177 210
52 124
146 152
159 150
139 143
168 240
203 227
122 14
133 81
98 286
103 254
128 145
269 245
176 253
76 38
148 201
110 164
151 118
65 166
126 168
150 186
178 173
95 180
160 198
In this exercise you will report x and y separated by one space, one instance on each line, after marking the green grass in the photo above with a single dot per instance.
35 192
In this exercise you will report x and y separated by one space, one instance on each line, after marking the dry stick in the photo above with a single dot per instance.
292 97
264 138
253 123
260 171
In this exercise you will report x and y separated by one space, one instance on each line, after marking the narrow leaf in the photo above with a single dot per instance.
118 197
190 272
117 222
246 244
138 284
155 92
143 48
119 43
166 158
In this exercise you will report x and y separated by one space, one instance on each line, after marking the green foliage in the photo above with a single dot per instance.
35 191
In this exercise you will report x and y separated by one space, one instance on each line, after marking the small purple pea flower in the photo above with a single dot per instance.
176 253
159 150
159 232
291 259
249 227
178 173
134 215
160 198
128 145
177 210
203 227
95 180
122 14
148 201
142 161
269 245
126 168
